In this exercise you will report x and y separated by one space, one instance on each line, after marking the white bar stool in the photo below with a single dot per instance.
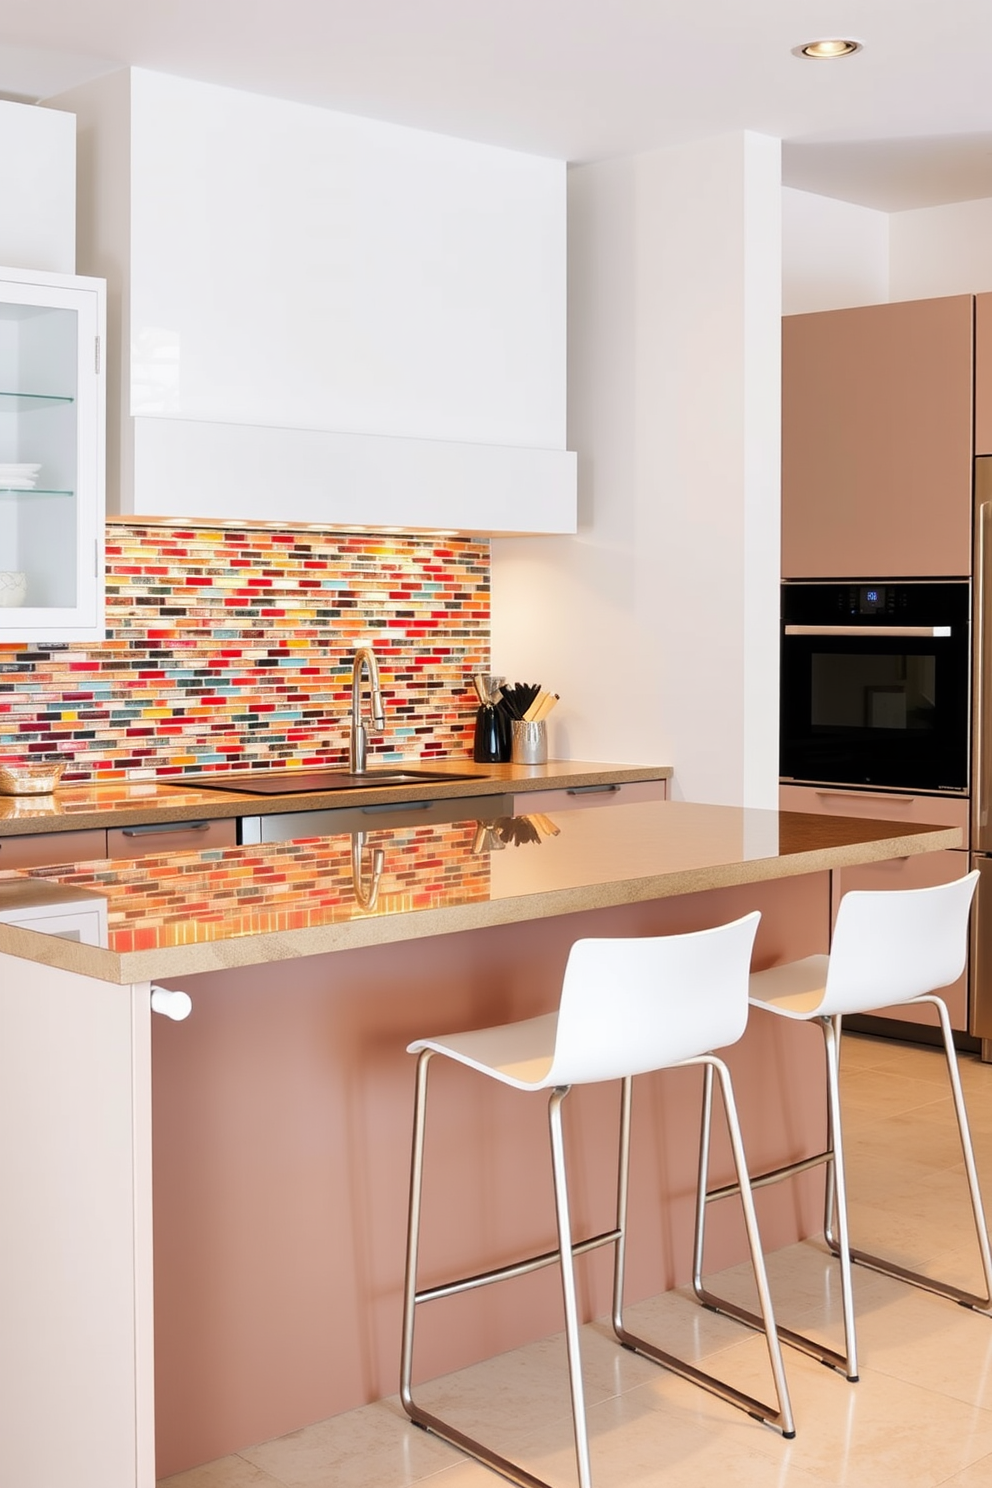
889 947
627 1007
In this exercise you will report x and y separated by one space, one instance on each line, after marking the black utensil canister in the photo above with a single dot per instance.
490 736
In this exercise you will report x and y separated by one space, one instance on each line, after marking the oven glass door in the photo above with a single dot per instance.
877 699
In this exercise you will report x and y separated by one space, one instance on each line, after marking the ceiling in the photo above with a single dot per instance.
906 122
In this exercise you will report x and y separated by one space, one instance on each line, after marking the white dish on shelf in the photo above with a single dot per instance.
13 588
20 477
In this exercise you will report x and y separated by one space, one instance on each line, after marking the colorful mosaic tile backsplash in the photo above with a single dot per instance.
232 649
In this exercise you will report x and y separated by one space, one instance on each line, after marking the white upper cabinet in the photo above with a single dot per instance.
52 411
326 319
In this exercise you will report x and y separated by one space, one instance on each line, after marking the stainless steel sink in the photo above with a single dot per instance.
309 782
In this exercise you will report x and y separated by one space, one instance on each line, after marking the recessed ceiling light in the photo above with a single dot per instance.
826 51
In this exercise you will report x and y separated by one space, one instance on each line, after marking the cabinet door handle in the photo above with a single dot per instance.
397 806
150 827
890 632
591 790
171 1003
866 796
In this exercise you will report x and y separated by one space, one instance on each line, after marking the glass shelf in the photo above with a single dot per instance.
31 491
25 401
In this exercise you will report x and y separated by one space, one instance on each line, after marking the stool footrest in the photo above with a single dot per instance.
718 1387
918 1279
515 1268
476 1449
800 1341
774 1175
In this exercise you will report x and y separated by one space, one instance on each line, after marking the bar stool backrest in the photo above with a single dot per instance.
639 1004
891 945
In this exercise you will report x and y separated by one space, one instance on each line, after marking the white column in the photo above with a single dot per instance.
658 622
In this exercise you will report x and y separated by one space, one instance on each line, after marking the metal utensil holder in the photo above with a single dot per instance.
529 744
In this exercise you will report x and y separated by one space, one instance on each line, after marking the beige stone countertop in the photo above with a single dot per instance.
138 802
182 913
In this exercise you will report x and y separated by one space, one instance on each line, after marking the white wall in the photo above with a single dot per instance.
658 622
834 254
37 188
941 250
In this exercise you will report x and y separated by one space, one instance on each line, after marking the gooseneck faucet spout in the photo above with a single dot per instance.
358 747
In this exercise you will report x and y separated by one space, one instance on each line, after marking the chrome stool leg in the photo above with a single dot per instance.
412 1298
916 1278
780 1415
837 1181
579 1427
707 1196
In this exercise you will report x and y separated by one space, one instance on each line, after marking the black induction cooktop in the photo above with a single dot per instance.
308 782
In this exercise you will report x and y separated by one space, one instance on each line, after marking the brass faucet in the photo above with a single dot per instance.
358 743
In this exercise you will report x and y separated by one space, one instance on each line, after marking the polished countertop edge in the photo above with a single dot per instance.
189 960
197 804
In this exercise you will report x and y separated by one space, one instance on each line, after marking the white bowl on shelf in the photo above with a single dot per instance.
13 588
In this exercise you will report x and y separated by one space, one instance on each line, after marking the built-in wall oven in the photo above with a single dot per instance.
875 684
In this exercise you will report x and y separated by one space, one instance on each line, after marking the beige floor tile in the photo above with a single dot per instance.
375 1447
226 1472
674 1436
879 1092
882 1431
931 1342
978 1475
505 1400
920 1061
860 1050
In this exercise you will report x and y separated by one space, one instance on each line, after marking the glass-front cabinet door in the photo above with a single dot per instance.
52 444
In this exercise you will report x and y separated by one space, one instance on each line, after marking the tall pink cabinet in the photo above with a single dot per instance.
877 440
883 410
983 374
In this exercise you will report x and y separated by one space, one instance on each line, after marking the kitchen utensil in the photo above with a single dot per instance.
30 778
543 706
529 743
487 688
519 830
487 838
544 824
518 697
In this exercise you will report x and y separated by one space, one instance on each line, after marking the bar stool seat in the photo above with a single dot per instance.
889 948
627 1007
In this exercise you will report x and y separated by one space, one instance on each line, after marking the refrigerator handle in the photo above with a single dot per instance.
983 654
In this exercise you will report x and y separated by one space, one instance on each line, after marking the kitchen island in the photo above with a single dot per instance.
258 1151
